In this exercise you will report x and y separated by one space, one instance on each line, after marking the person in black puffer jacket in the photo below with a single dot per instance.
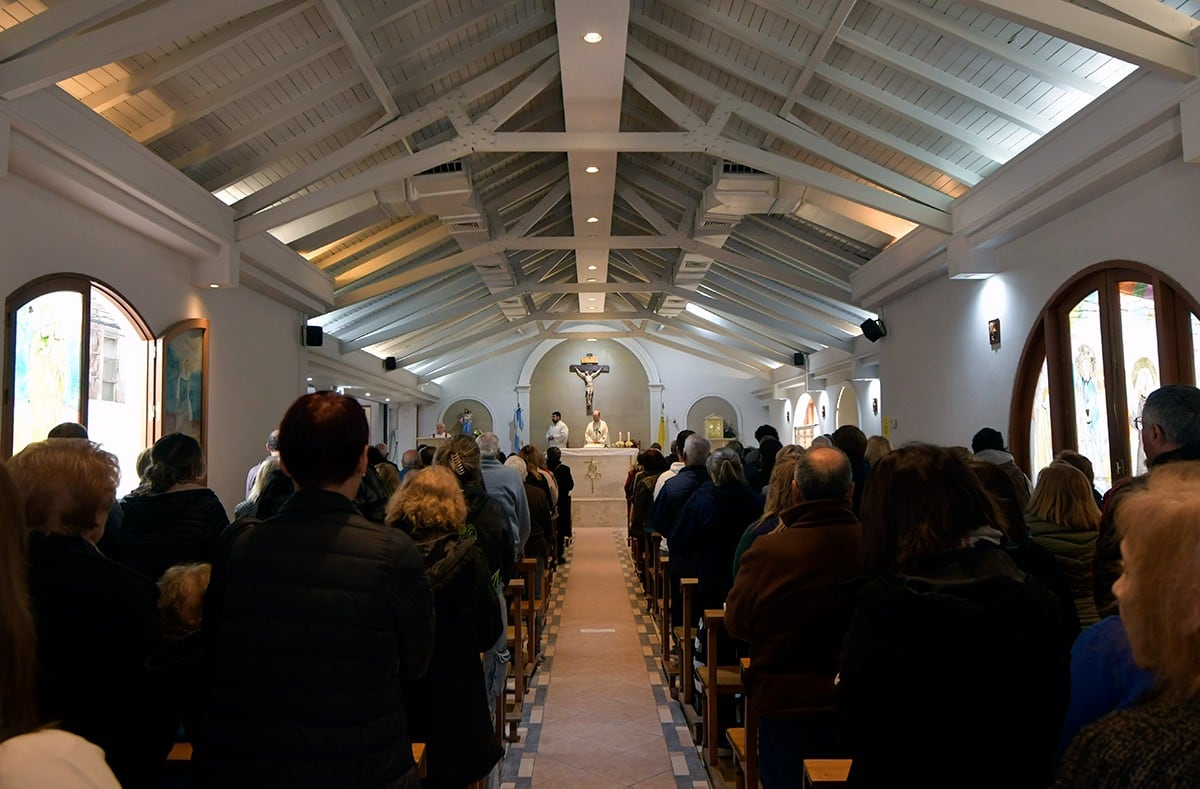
315 617
448 707
174 519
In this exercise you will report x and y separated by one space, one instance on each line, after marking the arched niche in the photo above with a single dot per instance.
805 424
713 405
622 395
482 416
847 406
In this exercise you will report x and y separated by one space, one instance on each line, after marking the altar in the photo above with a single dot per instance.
599 495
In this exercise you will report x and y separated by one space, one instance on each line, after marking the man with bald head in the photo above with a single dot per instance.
596 432
786 603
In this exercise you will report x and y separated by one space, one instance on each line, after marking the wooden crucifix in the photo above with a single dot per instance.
587 372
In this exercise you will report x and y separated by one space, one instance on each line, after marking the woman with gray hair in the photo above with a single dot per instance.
710 526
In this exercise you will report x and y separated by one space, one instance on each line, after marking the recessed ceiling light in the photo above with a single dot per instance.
214 285
309 378
591 168
591 339
387 399
368 394
590 279
591 221
593 37
591 298
591 268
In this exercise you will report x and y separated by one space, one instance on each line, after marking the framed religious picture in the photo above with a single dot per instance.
183 380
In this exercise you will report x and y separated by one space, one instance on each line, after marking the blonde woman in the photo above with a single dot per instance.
781 494
97 621
1063 518
1156 742
448 708
877 447
30 755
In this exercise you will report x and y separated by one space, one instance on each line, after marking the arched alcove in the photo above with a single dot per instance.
847 406
804 421
482 419
713 405
622 394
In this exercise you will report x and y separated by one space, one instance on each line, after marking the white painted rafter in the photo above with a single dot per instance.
132 34
1101 33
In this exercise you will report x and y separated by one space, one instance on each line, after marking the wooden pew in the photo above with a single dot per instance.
534 610
826 773
685 636
517 644
182 752
418 750
653 552
663 592
744 741
715 680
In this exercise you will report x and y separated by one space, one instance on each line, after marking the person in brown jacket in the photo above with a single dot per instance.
789 603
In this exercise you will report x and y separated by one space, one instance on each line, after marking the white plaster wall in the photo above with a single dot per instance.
255 361
941 379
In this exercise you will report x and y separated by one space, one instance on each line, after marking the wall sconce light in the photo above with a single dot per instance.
822 412
994 333
875 406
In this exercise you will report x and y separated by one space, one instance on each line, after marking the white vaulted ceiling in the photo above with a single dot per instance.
431 155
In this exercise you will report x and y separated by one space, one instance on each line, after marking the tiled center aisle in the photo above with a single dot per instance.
600 716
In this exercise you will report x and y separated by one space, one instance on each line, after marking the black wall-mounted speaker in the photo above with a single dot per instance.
798 359
389 363
312 336
873 329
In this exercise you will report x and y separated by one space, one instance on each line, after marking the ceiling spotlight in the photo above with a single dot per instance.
593 37
591 168
591 268
593 220
368 394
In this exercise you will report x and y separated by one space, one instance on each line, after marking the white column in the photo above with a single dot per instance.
656 402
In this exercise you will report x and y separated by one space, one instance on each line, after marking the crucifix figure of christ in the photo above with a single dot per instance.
587 373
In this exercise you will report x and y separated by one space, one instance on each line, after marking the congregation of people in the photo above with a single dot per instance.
933 616
351 609
930 613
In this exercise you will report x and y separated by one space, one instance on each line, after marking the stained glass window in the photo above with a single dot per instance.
1140 340
1093 357
1087 377
106 389
49 331
1040 441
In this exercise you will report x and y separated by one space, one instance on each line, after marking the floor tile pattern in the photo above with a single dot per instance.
599 714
